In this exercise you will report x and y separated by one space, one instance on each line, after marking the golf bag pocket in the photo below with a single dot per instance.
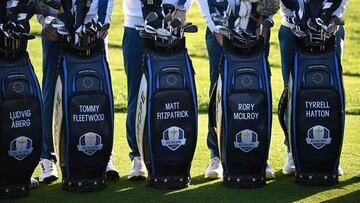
172 118
83 130
21 126
170 78
242 125
167 135
316 117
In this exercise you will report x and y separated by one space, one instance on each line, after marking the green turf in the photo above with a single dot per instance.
281 189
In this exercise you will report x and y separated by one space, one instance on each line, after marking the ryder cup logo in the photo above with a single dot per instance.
318 136
89 143
246 140
173 138
20 147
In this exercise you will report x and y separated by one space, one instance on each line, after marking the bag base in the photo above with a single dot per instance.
88 185
15 191
244 181
317 179
170 182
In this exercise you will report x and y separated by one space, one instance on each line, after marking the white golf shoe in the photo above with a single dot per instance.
340 171
269 172
214 169
138 169
33 183
289 167
111 172
358 175
48 172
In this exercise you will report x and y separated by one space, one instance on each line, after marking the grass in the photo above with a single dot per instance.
282 189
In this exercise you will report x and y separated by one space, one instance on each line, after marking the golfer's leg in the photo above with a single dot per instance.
51 54
214 169
214 52
133 49
287 41
340 36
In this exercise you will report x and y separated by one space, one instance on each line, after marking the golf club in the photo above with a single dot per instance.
190 28
224 31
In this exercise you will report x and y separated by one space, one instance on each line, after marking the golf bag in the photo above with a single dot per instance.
83 119
240 115
166 116
21 126
316 113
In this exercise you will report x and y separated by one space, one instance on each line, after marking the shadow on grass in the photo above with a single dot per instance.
350 197
282 189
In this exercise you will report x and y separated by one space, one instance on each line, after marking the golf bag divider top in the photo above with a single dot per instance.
83 119
316 114
166 116
21 126
240 115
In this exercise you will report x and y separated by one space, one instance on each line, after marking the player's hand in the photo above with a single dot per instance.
180 14
51 33
219 38
104 31
333 29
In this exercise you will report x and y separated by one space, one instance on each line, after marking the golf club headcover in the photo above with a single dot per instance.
267 7
83 120
149 6
316 115
166 117
21 126
241 116
328 8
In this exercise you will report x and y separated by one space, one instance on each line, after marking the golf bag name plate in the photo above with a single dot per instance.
316 113
83 121
166 120
240 115
21 125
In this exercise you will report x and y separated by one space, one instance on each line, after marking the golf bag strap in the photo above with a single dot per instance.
212 110
283 102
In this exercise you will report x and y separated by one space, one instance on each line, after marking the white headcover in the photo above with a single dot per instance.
244 13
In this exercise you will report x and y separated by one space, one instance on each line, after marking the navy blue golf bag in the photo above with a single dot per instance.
316 113
166 116
21 124
240 115
83 119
